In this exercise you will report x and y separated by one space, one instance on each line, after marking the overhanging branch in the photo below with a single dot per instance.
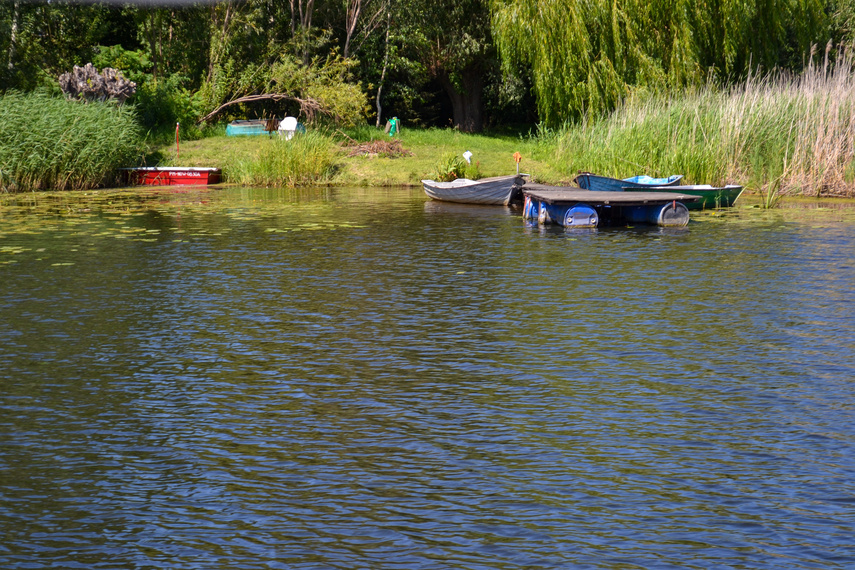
308 107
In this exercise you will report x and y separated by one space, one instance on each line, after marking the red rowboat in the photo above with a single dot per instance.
169 175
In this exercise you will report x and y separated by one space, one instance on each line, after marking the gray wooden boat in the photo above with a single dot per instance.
498 190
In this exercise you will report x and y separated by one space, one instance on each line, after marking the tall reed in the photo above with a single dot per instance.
51 143
308 158
780 133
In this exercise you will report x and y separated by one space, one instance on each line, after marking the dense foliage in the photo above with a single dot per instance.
587 56
469 63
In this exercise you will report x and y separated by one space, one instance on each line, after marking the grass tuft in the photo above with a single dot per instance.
306 159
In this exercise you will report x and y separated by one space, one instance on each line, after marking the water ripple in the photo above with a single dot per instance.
266 386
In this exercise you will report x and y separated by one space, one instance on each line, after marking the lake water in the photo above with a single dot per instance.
360 378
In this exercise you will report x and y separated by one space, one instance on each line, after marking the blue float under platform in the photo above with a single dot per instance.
575 207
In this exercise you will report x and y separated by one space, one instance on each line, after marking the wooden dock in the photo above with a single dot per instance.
566 195
576 207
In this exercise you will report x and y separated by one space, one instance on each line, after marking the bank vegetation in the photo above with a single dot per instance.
48 142
776 134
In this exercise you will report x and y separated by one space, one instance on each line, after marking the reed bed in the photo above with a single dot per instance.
776 135
51 143
306 159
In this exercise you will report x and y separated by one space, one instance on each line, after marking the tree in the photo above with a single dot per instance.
42 40
843 21
456 48
324 90
587 55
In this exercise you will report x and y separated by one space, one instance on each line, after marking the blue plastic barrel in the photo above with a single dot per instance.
670 215
580 216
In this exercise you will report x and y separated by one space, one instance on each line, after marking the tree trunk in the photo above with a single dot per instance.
301 13
151 35
385 65
16 14
219 34
352 10
467 105
371 21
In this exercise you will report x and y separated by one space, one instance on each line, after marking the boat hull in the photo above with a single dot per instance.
496 191
598 183
710 196
170 176
251 127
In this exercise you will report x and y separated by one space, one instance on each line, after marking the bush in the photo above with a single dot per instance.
160 102
51 143
163 103
450 167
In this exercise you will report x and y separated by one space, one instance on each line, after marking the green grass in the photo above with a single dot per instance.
492 156
304 160
48 142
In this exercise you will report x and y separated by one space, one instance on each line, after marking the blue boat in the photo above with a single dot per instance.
595 182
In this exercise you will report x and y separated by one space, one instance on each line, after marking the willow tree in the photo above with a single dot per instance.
586 55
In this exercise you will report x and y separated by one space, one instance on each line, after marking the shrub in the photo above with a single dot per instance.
449 167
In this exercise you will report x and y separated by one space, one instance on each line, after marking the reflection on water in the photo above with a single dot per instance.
247 378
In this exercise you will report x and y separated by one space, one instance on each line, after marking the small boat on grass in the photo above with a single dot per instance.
710 196
173 175
498 190
251 127
599 183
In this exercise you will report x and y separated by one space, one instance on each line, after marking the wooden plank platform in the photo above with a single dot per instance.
568 195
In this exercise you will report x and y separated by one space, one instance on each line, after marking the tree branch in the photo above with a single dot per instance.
308 107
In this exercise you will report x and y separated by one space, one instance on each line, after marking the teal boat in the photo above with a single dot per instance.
249 128
711 196
598 183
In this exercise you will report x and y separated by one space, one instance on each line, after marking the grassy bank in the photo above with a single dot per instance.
777 135
256 159
46 142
